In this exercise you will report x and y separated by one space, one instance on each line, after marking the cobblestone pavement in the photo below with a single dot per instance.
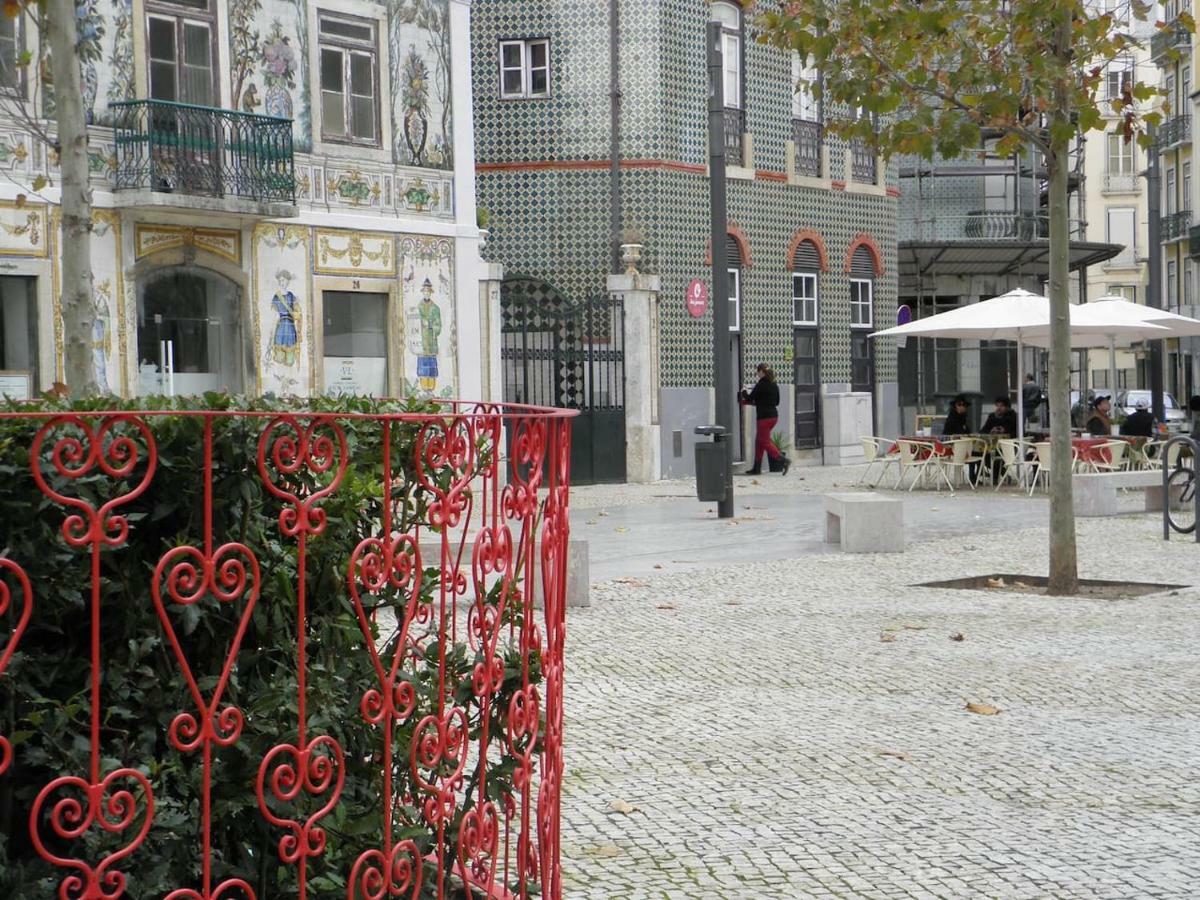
797 728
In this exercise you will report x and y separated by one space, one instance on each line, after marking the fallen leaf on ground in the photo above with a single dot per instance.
894 754
983 709
755 481
657 566
957 636
1019 584
733 602
620 529
665 606
915 627
590 522
632 582
995 582
886 638
620 806
602 513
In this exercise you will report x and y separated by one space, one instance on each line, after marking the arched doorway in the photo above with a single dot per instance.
570 355
189 332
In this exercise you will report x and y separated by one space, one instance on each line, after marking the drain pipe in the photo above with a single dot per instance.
614 87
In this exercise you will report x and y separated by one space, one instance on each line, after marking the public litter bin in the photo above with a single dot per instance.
711 464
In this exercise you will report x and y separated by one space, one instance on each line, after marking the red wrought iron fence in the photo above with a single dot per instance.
265 654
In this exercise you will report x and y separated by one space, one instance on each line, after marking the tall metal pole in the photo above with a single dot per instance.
1154 289
722 352
614 88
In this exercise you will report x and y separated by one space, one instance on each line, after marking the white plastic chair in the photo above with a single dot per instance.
1149 455
1109 457
1012 458
965 452
920 458
1043 465
876 452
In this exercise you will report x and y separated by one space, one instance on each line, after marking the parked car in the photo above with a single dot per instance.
1177 419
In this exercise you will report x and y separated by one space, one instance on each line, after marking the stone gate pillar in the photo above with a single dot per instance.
639 297
491 368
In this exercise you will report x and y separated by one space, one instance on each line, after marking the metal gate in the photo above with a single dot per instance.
570 355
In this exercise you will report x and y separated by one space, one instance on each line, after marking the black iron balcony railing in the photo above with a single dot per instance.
1175 225
1174 132
196 150
735 128
807 137
862 162
1174 37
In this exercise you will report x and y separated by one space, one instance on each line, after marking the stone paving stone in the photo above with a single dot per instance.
779 749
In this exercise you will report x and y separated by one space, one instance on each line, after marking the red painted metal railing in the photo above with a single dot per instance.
496 534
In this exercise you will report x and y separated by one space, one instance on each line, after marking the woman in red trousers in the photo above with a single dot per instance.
765 397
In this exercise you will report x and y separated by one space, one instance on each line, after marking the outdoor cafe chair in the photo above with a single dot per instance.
1147 456
1042 473
922 460
1108 457
1012 457
965 452
877 451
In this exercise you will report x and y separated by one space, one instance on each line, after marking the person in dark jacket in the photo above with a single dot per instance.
764 396
1031 396
1139 423
956 420
1099 424
1003 420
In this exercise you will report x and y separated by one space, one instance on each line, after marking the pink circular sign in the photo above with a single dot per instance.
697 297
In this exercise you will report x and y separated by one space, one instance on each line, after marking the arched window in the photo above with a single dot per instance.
730 17
862 299
806 343
806 265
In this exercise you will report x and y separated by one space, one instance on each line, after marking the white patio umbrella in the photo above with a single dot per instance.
1116 322
1019 315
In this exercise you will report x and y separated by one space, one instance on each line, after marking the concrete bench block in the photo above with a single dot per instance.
1154 497
579 582
865 523
1095 494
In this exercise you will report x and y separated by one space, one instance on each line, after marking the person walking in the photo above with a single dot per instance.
765 398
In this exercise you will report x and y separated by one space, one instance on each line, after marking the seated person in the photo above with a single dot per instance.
1003 420
956 420
1139 423
1099 424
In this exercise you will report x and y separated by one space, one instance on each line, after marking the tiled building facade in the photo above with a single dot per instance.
283 193
543 157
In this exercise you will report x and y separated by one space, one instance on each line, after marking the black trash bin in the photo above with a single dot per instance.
712 462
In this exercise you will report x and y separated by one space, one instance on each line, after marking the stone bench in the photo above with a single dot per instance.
865 523
579 582
1095 493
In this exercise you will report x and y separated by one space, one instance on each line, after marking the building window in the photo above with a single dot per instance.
1122 230
355 343
1169 84
805 78
12 41
735 299
1172 287
1187 282
860 302
1185 193
804 298
730 17
524 69
18 335
1118 78
349 80
179 47
1170 192
1124 291
1120 154
1117 9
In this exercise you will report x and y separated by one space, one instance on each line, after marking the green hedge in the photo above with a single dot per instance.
44 700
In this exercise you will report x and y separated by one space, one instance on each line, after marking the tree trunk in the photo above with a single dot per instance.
1064 575
75 247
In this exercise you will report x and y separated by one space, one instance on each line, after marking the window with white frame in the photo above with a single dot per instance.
735 299
804 80
1187 282
349 79
1118 77
1117 9
1169 195
1172 286
524 69
860 303
804 298
12 75
730 17
1169 87
1122 229
1124 291
1120 154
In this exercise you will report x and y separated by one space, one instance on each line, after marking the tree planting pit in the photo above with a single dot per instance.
1089 588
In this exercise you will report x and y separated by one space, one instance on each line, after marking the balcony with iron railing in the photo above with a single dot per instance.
982 225
1175 226
863 164
1121 183
1174 132
178 154
735 130
1173 37
808 139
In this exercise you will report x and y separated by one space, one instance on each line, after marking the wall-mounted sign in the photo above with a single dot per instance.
16 385
697 297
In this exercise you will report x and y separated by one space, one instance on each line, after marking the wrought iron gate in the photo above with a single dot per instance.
569 355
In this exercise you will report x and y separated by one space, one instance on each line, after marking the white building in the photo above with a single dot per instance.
284 199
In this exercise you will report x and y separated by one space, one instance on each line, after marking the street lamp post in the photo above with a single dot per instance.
722 355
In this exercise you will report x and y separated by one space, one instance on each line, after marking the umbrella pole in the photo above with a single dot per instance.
1112 372
1020 389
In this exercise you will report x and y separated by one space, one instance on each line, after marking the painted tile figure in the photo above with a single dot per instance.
285 343
431 329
